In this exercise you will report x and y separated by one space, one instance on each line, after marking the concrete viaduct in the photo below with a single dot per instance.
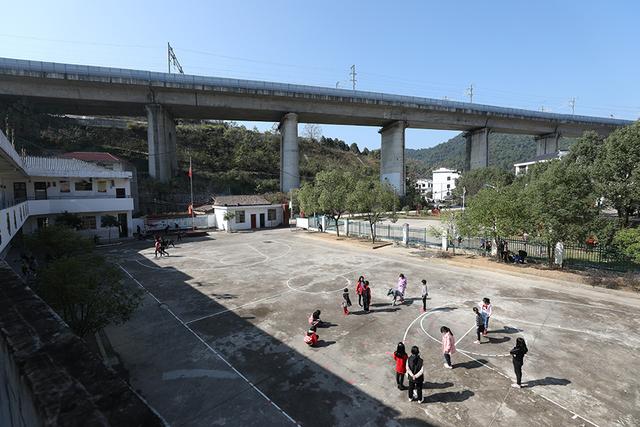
163 97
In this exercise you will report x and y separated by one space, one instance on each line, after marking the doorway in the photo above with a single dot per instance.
253 220
19 192
261 220
40 189
123 225
121 193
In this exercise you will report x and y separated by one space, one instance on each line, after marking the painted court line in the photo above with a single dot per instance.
260 392
465 334
486 365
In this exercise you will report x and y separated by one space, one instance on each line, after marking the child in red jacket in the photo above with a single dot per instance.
311 338
400 356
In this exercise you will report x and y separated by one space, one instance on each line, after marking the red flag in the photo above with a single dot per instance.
190 173
190 209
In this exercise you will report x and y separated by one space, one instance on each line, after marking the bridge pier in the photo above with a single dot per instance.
289 154
392 169
161 137
547 143
477 149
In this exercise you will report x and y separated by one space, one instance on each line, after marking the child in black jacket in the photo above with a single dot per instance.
517 353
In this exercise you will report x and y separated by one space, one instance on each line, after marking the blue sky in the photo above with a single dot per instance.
522 54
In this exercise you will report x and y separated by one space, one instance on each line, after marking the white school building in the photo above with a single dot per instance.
249 212
35 190
444 181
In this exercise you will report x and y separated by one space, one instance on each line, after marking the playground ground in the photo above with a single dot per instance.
218 339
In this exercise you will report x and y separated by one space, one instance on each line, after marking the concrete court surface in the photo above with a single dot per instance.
219 339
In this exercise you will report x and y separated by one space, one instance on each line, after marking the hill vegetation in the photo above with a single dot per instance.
504 151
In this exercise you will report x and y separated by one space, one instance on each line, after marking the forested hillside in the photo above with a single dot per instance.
504 151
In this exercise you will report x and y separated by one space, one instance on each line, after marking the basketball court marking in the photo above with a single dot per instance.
422 316
211 349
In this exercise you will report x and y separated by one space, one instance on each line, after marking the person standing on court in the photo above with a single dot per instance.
479 324
366 296
425 294
400 356
346 301
359 287
486 310
448 346
517 354
415 374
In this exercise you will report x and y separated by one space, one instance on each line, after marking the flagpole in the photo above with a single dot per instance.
193 224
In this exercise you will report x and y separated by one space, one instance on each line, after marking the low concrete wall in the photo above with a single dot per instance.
49 377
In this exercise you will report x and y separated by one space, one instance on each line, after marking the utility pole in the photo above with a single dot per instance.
353 76
337 84
470 93
572 104
542 108
173 59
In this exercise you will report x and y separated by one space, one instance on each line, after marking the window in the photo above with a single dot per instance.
64 187
448 178
448 186
88 222
102 186
19 192
271 214
83 185
239 217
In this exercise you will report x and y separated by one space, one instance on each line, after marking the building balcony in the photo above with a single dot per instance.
80 205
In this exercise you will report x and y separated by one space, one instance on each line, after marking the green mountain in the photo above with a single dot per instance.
504 151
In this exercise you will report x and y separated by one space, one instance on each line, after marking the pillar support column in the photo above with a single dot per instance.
161 137
547 143
392 166
289 153
477 149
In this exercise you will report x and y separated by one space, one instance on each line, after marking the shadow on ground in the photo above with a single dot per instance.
306 391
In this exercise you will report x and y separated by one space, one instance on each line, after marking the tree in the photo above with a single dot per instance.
58 241
372 199
627 241
562 204
618 171
109 221
365 151
86 292
228 217
329 194
475 180
354 148
495 212
69 220
312 131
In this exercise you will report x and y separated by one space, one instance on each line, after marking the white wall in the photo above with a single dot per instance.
440 182
249 210
11 220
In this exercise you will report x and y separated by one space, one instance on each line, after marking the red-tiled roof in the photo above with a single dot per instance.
92 156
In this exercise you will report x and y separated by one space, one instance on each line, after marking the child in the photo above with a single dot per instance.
425 294
314 319
517 354
415 374
158 248
448 346
359 287
400 356
400 288
346 301
366 296
486 313
479 324
311 338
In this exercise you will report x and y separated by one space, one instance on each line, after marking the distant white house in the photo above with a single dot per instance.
249 212
444 181
424 186
523 167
